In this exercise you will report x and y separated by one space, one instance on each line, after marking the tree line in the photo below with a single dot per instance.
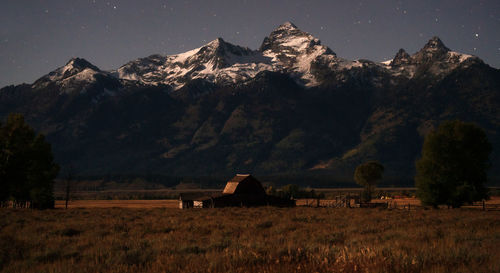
452 169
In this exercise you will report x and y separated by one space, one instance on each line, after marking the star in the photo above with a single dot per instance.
477 35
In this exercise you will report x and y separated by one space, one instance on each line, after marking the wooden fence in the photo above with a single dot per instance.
15 204
400 204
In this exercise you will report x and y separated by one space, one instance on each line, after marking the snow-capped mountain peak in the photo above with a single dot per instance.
437 59
79 75
432 51
287 50
296 51
218 61
72 68
77 71
80 64
219 54
287 36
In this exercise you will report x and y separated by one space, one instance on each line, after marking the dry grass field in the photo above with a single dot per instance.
494 202
249 240
144 204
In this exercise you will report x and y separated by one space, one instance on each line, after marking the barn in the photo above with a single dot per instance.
243 190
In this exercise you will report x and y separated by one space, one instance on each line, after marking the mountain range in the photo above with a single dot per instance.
291 107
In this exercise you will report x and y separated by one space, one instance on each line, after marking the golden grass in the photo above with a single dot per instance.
414 202
249 240
119 204
492 204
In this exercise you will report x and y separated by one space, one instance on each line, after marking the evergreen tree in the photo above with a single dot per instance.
27 168
454 163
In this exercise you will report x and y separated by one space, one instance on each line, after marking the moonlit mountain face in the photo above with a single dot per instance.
292 106
286 50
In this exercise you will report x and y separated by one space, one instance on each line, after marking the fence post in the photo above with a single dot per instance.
484 205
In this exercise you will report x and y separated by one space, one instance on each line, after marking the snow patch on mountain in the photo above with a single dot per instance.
458 57
182 57
387 63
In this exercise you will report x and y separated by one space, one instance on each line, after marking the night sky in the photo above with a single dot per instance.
37 36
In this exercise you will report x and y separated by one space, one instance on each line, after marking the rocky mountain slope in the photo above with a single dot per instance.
292 106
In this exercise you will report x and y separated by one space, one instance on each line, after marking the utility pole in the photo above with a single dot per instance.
69 180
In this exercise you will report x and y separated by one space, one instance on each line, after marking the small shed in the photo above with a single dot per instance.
197 199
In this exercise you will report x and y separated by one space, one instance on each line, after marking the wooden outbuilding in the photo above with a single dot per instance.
243 190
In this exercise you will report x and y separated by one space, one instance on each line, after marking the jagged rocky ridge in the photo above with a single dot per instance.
286 50
292 106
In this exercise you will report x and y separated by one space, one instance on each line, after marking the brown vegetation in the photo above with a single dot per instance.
249 240
492 204
143 204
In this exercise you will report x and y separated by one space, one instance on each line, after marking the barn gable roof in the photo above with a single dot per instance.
244 184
